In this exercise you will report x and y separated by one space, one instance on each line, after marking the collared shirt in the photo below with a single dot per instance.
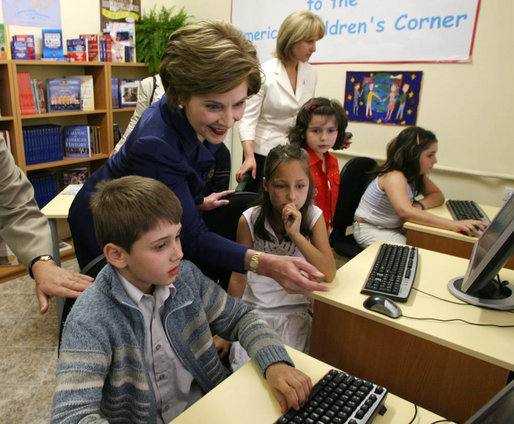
326 184
174 387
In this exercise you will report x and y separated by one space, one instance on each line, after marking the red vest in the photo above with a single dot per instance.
326 185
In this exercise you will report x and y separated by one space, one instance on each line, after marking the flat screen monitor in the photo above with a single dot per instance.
499 410
493 249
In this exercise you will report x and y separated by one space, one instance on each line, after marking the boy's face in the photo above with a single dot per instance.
154 258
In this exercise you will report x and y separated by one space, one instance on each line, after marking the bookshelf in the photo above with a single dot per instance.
103 116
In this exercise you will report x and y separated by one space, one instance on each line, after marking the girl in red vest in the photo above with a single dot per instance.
320 126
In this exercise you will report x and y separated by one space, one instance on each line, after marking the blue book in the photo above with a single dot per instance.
42 143
20 50
115 93
77 49
45 187
77 141
52 43
63 95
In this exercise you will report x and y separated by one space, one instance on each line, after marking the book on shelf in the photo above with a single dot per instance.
27 104
63 94
35 95
63 246
7 138
7 256
77 49
5 52
128 88
77 141
105 46
42 143
87 92
41 95
74 176
122 35
20 50
52 43
115 93
92 46
81 141
30 46
117 133
45 187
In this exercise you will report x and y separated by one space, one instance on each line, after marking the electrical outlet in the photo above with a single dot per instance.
507 192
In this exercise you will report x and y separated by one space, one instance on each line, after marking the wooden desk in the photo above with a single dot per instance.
446 241
244 397
451 368
56 209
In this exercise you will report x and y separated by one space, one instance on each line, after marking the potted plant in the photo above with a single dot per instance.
152 33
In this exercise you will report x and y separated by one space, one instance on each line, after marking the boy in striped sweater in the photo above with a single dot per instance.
137 345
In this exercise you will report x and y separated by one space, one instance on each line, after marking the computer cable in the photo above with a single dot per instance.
434 422
441 298
458 319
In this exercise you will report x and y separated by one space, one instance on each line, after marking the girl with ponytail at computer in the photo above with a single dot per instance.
392 196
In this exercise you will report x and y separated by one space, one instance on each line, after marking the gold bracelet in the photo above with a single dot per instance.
254 262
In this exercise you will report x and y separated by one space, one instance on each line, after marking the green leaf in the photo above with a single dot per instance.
152 32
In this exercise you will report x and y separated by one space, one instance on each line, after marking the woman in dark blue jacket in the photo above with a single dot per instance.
208 70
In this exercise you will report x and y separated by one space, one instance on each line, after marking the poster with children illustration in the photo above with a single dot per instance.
383 97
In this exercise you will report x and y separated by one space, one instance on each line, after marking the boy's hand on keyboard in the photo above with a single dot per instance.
290 386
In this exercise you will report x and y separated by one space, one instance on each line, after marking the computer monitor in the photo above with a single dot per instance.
499 410
492 250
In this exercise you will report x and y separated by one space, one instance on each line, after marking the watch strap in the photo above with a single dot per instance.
37 259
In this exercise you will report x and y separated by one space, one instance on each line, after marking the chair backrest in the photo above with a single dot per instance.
223 221
354 179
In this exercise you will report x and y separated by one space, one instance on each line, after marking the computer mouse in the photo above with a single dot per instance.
383 305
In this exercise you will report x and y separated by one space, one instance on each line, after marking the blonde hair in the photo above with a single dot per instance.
298 26
207 57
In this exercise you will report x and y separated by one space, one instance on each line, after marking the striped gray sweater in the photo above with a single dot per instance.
101 375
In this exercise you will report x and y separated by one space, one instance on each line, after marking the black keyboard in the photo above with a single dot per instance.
466 209
393 272
339 398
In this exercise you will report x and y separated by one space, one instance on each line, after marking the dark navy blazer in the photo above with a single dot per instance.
164 146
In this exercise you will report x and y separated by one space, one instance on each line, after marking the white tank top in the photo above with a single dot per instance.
264 292
376 209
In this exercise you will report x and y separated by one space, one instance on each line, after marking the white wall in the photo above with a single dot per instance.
467 105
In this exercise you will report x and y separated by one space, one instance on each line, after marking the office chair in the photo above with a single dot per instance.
354 179
223 221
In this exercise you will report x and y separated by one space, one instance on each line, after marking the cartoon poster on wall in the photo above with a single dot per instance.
383 97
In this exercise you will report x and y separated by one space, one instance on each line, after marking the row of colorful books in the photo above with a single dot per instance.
116 44
32 98
49 143
124 92
63 94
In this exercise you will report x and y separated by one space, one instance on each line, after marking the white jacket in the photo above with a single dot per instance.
272 111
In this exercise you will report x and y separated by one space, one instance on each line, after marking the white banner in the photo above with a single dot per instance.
369 31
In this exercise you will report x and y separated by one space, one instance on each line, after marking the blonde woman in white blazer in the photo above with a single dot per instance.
288 82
